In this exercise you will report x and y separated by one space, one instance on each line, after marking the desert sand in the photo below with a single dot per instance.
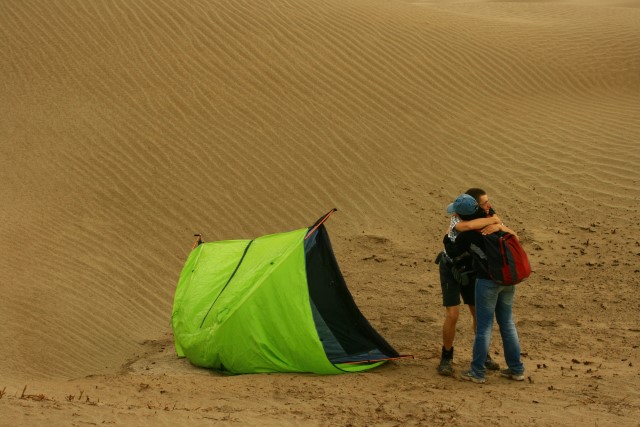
128 126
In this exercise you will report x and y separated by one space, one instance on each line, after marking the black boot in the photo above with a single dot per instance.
446 363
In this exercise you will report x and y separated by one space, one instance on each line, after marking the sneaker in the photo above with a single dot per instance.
446 367
508 373
469 376
491 365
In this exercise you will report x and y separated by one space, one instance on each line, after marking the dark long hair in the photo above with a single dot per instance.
479 213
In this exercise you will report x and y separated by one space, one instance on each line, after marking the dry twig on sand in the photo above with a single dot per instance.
37 397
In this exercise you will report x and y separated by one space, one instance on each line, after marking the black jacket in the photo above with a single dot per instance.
463 244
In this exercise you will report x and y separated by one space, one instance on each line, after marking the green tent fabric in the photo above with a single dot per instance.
277 303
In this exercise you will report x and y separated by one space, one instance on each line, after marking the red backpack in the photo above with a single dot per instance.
506 261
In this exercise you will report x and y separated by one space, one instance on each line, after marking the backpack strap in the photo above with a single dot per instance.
475 249
479 258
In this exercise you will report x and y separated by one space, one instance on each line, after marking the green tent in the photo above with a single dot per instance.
277 303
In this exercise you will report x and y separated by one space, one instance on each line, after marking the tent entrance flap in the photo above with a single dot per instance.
345 333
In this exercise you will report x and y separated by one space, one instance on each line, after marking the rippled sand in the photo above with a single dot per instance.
128 126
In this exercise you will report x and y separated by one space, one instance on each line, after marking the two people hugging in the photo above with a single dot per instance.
465 274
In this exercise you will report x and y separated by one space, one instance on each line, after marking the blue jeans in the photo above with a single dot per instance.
491 299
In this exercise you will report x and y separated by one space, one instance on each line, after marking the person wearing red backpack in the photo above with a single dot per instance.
492 300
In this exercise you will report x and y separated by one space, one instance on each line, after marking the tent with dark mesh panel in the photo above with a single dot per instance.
277 303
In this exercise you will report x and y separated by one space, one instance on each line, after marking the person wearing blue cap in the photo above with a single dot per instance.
457 278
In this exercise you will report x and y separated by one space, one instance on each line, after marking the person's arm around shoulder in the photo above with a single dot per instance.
477 224
492 228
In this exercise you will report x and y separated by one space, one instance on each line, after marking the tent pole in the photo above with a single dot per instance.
319 223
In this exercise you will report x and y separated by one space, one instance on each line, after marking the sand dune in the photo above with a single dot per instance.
125 127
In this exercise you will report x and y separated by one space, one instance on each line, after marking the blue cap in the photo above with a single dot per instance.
463 205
